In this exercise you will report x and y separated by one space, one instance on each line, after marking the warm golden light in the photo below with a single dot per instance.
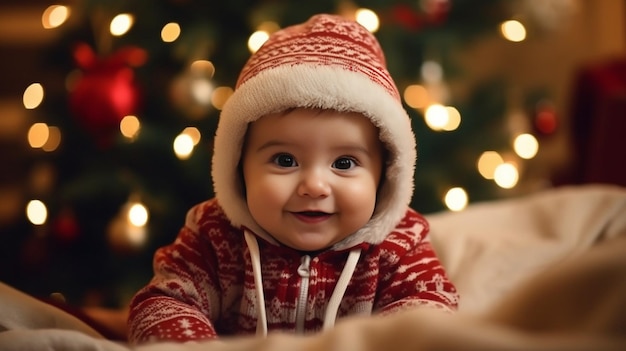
194 133
268 27
127 230
137 214
220 95
203 67
526 146
36 212
513 31
130 126
38 135
416 96
454 119
183 146
33 96
436 117
201 90
54 139
121 24
488 162
54 16
506 175
456 199
257 39
368 19
170 32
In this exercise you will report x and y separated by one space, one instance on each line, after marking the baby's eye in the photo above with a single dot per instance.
285 160
344 163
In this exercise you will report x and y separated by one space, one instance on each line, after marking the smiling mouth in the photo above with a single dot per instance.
311 216
312 213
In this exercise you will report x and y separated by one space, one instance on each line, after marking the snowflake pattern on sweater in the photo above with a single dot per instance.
203 285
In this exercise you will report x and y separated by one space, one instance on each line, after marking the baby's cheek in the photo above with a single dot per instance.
360 202
267 194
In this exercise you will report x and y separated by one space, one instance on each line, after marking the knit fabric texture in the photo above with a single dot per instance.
323 41
203 285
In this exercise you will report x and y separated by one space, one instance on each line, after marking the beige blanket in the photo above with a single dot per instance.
542 272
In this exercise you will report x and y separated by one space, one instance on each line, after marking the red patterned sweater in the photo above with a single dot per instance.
204 285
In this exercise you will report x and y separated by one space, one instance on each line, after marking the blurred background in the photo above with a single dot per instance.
108 109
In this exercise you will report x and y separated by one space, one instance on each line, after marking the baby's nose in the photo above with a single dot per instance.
314 183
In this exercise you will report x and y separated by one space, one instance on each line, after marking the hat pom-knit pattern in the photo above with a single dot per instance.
327 62
323 41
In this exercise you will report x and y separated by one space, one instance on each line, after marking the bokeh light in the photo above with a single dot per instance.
183 146
257 39
436 117
513 30
488 162
54 16
416 96
456 199
454 119
201 90
121 24
506 175
202 68
36 212
138 214
54 139
130 126
526 146
220 95
194 133
368 19
38 135
170 32
33 96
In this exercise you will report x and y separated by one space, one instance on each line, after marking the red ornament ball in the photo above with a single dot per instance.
106 92
65 226
406 16
545 119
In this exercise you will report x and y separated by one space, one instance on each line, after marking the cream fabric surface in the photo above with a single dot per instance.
541 272
21 311
492 247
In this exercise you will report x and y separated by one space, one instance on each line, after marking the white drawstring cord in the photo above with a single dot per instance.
333 304
340 289
255 257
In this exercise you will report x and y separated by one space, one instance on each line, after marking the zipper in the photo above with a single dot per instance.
304 270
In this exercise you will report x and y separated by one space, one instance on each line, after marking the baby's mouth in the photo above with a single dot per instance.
311 216
312 213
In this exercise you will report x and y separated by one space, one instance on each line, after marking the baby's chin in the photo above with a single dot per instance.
311 248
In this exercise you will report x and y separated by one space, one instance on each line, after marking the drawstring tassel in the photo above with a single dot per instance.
255 255
340 289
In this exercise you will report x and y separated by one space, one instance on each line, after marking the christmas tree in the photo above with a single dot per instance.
134 96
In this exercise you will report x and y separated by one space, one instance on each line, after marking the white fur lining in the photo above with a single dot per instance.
327 87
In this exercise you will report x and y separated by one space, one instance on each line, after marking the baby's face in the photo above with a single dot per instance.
311 176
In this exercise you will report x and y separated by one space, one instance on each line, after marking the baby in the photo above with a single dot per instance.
313 174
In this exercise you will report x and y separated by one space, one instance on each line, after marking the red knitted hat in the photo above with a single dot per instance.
328 62
323 41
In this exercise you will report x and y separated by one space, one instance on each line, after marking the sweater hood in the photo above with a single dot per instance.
325 63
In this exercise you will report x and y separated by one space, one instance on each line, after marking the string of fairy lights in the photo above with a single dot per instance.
428 97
